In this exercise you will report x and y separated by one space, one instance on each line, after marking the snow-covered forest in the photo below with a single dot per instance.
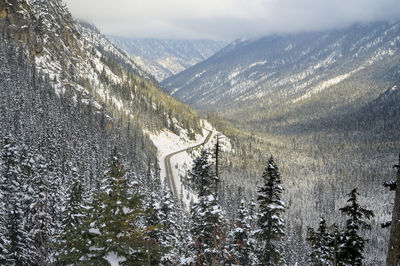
83 162
78 188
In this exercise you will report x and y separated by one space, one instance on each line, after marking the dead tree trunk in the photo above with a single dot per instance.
394 241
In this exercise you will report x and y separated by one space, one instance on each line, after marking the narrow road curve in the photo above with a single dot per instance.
167 162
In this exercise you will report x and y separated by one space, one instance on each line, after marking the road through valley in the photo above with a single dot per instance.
167 163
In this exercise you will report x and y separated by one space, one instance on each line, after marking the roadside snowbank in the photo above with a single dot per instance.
167 142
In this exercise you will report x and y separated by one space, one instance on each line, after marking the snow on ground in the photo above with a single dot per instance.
167 142
113 259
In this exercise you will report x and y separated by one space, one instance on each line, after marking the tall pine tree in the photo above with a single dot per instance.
241 246
352 244
16 235
322 244
117 222
270 222
71 246
207 217
114 224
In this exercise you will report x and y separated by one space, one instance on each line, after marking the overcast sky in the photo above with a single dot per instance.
226 19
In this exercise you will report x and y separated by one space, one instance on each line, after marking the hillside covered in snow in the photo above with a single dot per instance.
290 78
164 58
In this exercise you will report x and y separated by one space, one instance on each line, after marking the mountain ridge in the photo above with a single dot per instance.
290 68
78 57
163 57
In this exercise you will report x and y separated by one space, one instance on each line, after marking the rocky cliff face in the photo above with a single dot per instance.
18 23
49 32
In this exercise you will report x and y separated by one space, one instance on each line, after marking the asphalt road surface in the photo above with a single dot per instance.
168 168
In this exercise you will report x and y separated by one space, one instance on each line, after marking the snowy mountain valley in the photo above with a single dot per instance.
164 58
283 163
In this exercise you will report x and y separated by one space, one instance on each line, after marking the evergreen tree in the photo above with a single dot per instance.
241 245
39 218
171 228
154 218
295 246
352 244
116 222
270 223
322 244
207 217
72 245
252 220
207 230
201 175
185 239
16 237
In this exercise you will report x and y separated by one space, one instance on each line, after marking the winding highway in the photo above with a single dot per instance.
167 163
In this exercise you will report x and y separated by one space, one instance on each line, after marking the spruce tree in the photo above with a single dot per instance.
72 243
16 236
270 223
252 220
154 220
171 227
322 244
39 218
207 217
116 222
241 248
201 175
352 244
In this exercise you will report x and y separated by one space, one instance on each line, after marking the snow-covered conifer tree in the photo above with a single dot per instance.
72 243
352 244
116 223
39 218
207 217
322 244
16 236
171 227
270 222
241 246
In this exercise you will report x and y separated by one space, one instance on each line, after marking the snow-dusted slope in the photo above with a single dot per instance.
164 58
77 57
289 68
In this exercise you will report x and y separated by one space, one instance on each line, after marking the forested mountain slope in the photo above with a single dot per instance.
284 79
77 57
73 113
164 58
377 119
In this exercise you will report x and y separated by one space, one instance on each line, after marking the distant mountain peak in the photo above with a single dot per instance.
163 57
